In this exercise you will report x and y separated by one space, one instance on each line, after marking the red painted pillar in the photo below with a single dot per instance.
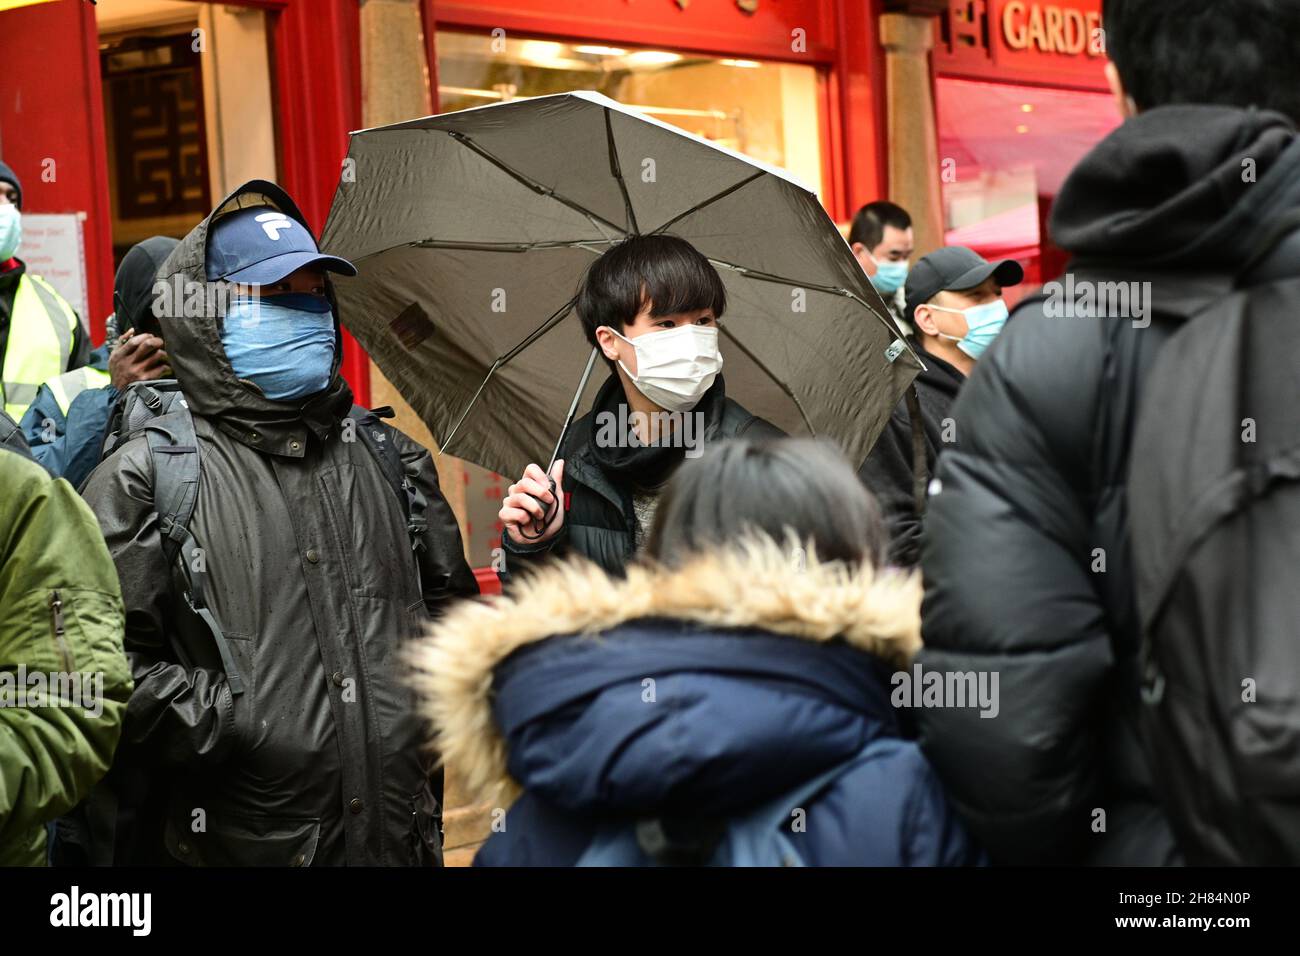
52 129
317 47
860 97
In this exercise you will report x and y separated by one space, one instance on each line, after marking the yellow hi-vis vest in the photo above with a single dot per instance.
69 385
41 328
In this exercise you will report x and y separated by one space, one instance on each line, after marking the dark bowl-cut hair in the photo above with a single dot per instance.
869 224
781 488
667 271
1212 52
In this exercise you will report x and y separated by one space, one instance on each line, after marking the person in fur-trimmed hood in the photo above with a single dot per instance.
723 674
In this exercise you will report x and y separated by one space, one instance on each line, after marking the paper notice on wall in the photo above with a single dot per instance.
53 249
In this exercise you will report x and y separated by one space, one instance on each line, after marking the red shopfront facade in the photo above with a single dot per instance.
52 128
1020 97
829 48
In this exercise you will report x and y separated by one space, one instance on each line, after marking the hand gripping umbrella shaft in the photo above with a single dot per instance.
548 511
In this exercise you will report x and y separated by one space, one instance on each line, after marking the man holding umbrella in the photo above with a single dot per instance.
651 304
471 232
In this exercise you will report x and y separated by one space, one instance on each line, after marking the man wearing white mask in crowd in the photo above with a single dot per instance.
881 238
954 302
40 334
651 304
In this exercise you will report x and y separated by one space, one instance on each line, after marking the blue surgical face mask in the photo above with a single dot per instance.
11 230
983 323
889 276
283 344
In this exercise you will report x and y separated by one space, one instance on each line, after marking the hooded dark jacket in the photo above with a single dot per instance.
1033 492
310 573
887 472
69 445
698 693
600 523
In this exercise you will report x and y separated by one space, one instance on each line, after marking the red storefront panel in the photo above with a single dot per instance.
1042 42
52 129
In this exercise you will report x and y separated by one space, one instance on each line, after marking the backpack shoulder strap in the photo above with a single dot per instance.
11 436
1275 234
754 839
378 439
177 468
174 447
749 841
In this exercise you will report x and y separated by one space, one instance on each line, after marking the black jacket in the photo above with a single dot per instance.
888 471
311 574
1033 502
600 523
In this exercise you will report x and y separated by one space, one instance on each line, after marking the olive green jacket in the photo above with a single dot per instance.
64 680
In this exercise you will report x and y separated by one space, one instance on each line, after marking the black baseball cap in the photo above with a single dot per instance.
954 269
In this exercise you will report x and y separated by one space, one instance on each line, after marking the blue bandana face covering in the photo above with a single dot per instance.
283 344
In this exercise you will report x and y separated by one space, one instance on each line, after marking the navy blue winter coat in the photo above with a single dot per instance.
695 694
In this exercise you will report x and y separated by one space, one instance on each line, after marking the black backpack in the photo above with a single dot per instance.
159 410
1214 515
11 437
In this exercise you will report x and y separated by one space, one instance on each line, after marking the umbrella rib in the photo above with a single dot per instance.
531 183
550 323
501 246
706 202
782 385
555 318
616 168
832 290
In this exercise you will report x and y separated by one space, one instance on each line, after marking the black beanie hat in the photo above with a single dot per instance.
7 175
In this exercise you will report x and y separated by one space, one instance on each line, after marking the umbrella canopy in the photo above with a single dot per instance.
471 232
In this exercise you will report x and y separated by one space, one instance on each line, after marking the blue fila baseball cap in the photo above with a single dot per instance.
259 245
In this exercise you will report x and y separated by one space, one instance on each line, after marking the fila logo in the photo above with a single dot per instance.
273 223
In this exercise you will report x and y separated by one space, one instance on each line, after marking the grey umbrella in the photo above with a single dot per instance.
471 231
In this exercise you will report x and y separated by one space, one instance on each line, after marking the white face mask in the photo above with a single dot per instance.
675 367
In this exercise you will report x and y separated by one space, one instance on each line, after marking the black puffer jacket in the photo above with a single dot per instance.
1033 505
600 523
311 575
888 470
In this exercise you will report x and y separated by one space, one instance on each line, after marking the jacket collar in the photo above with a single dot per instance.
750 587
939 373
581 464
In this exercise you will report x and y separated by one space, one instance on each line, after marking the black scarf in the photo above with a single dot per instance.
628 463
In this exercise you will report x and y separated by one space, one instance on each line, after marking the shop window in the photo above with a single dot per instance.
1005 150
188 111
153 115
768 110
